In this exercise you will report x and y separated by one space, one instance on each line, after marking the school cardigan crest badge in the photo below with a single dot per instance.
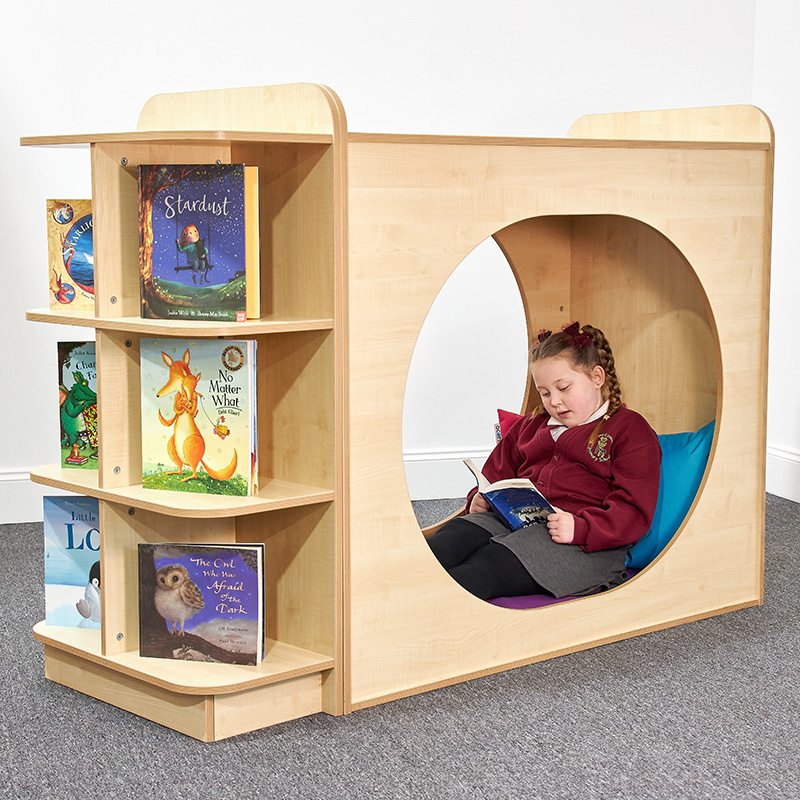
600 451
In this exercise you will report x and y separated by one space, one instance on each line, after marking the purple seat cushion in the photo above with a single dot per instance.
540 600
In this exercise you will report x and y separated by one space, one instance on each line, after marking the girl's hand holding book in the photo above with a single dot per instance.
561 527
478 504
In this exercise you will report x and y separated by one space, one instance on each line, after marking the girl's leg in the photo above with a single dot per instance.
457 540
494 571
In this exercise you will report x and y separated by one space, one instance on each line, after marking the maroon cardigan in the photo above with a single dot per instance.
612 493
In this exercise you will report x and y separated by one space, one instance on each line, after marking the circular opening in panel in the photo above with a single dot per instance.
616 273
469 360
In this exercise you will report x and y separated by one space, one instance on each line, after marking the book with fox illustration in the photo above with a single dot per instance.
198 415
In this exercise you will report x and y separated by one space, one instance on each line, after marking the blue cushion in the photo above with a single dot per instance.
683 462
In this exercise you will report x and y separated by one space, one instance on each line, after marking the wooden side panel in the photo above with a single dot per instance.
296 408
296 187
303 593
416 208
577 266
119 422
539 251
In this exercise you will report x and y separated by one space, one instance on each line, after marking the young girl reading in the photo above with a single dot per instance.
595 460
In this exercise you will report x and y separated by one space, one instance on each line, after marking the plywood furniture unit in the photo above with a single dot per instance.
653 226
661 238
296 144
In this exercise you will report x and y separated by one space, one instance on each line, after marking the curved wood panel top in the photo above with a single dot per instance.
740 123
288 108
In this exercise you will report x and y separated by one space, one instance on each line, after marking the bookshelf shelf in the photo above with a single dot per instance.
172 137
273 495
282 662
181 328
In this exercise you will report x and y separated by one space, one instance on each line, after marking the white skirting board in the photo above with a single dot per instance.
440 476
783 473
20 498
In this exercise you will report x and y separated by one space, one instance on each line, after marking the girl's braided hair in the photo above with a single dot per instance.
585 347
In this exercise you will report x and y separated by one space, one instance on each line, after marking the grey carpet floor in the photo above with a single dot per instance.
705 710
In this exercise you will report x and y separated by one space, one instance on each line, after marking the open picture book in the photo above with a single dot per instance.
516 500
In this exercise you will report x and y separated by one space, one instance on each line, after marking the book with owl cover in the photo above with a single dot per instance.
70 250
72 561
202 602
77 398
199 241
198 415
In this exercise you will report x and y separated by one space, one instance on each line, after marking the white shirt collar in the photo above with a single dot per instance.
556 428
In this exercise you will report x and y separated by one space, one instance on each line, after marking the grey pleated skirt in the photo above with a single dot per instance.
562 569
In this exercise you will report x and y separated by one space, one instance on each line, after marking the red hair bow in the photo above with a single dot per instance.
578 339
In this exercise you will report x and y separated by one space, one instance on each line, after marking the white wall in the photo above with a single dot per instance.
776 72
505 68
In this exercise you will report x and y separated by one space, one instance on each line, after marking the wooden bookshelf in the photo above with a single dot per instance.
296 512
654 226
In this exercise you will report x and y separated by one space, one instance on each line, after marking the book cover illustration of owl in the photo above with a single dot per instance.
198 415
202 602
72 561
70 248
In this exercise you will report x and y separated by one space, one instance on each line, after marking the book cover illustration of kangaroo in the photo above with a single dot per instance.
193 440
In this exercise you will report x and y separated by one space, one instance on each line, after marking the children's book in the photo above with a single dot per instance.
77 397
516 500
199 415
199 241
72 561
70 247
202 602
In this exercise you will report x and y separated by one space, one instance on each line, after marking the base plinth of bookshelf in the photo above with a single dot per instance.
206 701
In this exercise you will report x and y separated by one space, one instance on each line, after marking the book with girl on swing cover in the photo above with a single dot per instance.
198 401
199 241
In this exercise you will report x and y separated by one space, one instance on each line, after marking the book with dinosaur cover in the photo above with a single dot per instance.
199 241
70 249
72 561
198 415
202 602
516 500
77 397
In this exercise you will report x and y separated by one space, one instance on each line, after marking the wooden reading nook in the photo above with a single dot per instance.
654 226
